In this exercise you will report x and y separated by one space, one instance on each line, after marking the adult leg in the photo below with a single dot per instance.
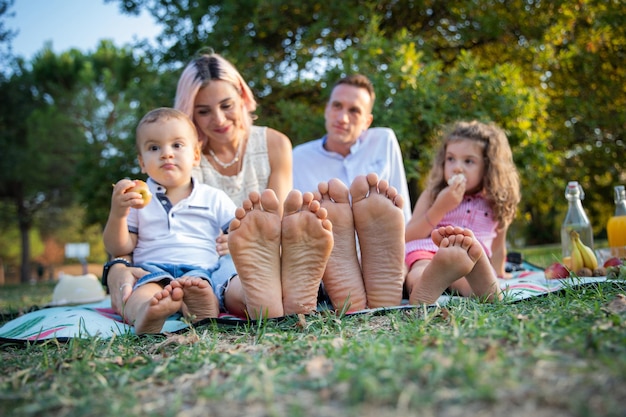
343 279
379 223
307 241
254 242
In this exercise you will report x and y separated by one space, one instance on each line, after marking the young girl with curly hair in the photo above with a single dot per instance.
456 238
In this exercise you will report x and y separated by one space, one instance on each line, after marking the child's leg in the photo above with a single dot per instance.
199 300
343 280
379 223
458 254
307 241
150 305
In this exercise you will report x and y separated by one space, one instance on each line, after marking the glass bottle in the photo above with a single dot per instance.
575 219
616 227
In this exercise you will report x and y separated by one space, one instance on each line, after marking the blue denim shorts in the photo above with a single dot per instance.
218 277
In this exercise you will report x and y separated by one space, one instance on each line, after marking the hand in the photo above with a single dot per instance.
120 281
122 199
450 197
222 244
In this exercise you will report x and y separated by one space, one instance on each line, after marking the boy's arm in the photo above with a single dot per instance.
118 241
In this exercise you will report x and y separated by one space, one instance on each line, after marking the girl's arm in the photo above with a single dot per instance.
498 252
281 162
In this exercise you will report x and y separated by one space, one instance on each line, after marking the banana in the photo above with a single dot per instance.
589 258
577 258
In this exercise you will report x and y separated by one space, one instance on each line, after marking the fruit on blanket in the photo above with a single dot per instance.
576 258
142 188
556 271
614 261
584 272
589 257
599 272
567 261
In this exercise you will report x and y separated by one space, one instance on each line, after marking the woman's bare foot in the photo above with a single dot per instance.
254 242
343 280
199 300
458 254
307 241
151 314
379 223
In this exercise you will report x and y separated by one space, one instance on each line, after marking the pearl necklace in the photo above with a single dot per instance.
226 164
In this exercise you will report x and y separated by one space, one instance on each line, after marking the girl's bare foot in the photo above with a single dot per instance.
199 300
254 242
379 223
151 314
458 254
307 241
343 280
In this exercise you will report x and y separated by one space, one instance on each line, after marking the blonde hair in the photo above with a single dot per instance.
500 185
163 113
199 73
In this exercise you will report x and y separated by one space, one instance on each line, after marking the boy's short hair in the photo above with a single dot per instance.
164 113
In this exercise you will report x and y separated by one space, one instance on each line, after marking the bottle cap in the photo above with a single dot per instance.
573 188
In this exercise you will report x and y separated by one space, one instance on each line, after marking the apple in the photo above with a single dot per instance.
614 261
142 188
556 270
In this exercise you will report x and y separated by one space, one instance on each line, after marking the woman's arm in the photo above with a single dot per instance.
281 162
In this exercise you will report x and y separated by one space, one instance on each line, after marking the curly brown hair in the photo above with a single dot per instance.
500 187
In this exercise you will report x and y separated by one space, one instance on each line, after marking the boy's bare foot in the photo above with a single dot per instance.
151 314
254 242
458 254
343 280
199 300
379 223
307 241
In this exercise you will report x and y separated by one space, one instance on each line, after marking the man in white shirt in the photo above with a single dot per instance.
351 150
351 147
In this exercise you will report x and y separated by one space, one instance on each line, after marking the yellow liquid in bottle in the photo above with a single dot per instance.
616 231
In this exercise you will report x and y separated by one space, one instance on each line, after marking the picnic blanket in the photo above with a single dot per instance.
99 320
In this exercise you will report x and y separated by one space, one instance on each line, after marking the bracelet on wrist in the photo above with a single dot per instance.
108 265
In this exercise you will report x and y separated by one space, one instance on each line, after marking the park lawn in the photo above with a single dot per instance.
558 355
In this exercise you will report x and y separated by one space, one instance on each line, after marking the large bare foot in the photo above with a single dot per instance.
199 300
379 223
307 241
254 242
457 256
151 314
343 280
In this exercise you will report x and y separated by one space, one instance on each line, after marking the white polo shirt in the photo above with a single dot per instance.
184 233
377 150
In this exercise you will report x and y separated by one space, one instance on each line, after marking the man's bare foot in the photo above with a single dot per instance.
343 280
307 241
151 314
254 242
458 254
199 300
379 223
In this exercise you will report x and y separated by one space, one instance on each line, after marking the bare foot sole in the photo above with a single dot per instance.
199 300
307 241
152 314
254 242
379 222
343 280
457 256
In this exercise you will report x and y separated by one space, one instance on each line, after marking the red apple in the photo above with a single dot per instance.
142 188
556 270
614 261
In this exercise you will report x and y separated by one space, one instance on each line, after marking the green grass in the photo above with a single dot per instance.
559 355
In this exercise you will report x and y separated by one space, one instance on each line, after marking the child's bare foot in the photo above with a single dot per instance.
343 280
254 242
307 241
379 223
458 254
151 314
199 300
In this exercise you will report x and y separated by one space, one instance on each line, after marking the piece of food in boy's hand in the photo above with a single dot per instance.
456 179
142 188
